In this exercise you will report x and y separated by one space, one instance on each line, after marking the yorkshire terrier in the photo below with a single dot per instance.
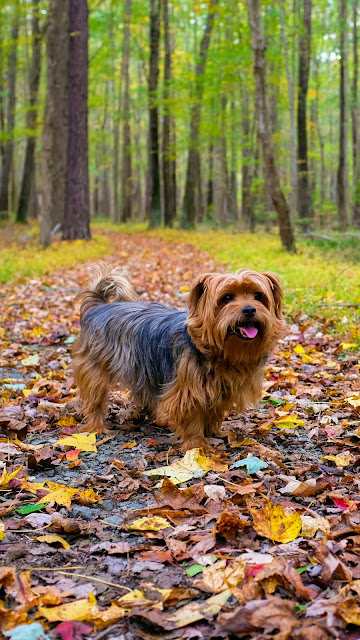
186 368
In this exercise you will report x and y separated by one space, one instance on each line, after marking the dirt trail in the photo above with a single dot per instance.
223 558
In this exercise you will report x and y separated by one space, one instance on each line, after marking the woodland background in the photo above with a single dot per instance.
182 128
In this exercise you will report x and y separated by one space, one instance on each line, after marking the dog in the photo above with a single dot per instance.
186 368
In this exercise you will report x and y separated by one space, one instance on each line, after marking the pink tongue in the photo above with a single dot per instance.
251 332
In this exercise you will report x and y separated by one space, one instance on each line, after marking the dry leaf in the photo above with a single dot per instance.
82 441
272 522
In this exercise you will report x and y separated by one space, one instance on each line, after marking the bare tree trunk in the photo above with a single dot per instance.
126 172
77 206
342 182
291 99
355 123
105 197
193 163
31 118
224 178
246 205
7 158
210 181
56 120
233 201
169 162
272 177
304 196
154 173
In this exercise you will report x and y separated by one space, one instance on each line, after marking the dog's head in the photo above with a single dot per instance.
237 316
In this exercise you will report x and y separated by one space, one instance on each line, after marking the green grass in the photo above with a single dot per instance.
316 279
18 261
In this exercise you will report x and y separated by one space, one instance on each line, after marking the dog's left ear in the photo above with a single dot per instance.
197 291
275 284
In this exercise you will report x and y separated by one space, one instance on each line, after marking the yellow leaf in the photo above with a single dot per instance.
272 522
103 619
194 611
349 345
26 392
33 487
50 538
78 610
2 531
152 523
353 400
184 288
80 441
341 460
89 496
6 477
128 445
59 493
194 464
289 422
299 349
307 359
131 598
67 421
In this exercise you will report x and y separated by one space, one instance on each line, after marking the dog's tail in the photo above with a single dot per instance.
109 284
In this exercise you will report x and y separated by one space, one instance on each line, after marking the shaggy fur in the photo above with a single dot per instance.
186 368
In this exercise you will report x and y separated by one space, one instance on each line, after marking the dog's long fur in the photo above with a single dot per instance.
186 369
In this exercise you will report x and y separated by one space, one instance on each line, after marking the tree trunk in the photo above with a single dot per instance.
193 163
246 205
224 178
7 158
272 177
56 120
210 181
154 173
233 201
342 182
169 162
77 206
355 123
126 172
291 99
304 196
31 118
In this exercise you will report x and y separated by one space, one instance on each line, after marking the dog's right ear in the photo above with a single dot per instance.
197 291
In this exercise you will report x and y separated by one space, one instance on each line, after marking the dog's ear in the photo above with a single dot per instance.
275 284
197 290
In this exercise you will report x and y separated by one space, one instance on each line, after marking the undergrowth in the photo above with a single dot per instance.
22 259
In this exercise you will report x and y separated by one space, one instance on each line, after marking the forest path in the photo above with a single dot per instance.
222 540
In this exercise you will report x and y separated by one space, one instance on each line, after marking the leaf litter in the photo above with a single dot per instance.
125 535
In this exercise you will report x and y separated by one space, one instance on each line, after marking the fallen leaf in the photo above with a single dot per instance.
59 493
310 526
194 464
50 538
82 441
33 631
72 630
272 522
290 421
152 523
6 477
252 464
77 610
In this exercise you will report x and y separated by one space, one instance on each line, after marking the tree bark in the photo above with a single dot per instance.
355 123
342 182
246 204
7 158
193 177
169 162
233 201
126 171
291 99
271 172
224 177
210 181
56 120
154 173
304 195
77 206
31 118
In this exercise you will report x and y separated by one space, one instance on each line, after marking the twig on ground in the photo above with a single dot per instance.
82 575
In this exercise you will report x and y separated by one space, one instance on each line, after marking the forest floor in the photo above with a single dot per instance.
262 540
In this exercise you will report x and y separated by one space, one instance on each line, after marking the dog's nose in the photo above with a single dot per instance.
248 311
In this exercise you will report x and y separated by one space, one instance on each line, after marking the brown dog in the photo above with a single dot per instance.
186 369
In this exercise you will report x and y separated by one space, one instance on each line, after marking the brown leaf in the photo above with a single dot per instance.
265 615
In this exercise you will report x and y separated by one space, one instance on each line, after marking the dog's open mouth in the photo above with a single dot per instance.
246 331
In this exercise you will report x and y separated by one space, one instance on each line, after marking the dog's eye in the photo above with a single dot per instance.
258 296
227 298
